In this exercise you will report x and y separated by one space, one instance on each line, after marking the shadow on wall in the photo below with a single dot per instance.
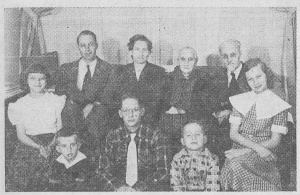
213 60
264 55
260 52
111 51
165 53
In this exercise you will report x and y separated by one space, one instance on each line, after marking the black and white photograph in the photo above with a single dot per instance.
139 96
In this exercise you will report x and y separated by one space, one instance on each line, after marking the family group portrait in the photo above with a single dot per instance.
152 99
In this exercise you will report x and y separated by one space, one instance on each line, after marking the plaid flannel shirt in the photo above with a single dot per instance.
152 149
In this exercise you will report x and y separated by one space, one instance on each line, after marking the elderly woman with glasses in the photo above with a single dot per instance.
185 97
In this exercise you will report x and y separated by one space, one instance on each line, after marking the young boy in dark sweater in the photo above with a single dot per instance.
72 170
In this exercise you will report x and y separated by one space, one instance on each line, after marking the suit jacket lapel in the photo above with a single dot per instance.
74 72
242 72
98 76
242 82
131 72
144 72
130 77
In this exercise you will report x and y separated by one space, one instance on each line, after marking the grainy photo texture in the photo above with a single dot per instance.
150 99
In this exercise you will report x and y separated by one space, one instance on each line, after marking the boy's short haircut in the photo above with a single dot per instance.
68 132
203 123
130 96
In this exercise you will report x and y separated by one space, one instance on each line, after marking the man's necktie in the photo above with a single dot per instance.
132 167
233 87
87 78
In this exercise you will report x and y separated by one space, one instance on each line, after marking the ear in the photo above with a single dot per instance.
204 139
96 45
182 141
58 149
142 111
120 114
79 144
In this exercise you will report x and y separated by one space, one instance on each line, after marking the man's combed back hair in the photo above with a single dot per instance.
86 32
139 37
236 43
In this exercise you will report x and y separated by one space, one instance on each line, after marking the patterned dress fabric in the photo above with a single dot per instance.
27 169
249 172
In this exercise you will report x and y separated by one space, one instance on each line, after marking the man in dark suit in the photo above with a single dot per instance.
231 81
84 81
141 79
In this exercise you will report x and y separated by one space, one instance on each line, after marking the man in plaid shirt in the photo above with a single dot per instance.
151 153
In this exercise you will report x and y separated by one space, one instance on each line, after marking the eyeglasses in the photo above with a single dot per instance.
182 59
129 111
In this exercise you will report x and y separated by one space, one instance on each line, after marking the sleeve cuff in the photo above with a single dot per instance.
235 120
279 129
140 186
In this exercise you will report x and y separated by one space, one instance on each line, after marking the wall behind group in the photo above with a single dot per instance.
260 31
263 32
11 47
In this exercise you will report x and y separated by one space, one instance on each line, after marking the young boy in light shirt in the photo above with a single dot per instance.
195 168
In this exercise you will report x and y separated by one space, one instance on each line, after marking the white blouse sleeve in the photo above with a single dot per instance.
15 113
280 123
60 104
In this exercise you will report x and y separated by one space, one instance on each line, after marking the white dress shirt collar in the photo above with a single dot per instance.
82 69
138 69
236 72
80 156
83 66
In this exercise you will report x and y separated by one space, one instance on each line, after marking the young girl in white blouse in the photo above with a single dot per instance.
37 117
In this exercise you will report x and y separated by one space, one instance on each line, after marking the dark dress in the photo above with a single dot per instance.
188 94
149 88
28 170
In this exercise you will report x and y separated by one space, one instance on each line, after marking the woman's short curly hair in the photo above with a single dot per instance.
136 38
34 68
251 63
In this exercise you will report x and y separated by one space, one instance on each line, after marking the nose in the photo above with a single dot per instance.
37 81
69 149
255 81
185 62
131 113
229 59
87 48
